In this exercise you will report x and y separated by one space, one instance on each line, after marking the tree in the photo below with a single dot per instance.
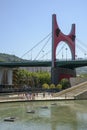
65 83
33 79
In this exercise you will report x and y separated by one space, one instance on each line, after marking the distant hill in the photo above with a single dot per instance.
9 58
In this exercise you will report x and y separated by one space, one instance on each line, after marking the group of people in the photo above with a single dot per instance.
33 96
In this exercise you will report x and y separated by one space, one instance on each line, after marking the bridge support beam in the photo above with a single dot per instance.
59 73
9 76
1 75
6 76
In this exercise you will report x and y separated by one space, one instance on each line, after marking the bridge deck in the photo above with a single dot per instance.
65 64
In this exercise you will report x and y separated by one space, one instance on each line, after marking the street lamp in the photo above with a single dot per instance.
62 54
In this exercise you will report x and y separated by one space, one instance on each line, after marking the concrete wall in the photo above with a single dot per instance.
77 80
58 73
6 76
82 95
35 69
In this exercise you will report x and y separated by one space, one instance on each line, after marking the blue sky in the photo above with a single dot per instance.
23 23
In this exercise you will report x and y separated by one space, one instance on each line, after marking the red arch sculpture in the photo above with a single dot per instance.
58 36
58 73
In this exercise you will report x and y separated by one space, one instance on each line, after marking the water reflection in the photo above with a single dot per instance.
64 115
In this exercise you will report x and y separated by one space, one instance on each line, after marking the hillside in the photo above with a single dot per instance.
9 58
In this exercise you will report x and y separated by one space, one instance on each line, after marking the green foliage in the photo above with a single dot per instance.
59 86
65 83
52 86
45 86
9 58
83 75
44 77
33 79
39 79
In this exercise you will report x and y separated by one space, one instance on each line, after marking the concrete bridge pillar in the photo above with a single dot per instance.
60 73
9 76
6 76
1 75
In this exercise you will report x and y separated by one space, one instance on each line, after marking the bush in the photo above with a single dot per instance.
52 86
59 86
65 83
45 86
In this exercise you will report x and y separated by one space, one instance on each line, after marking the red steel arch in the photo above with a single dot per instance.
58 36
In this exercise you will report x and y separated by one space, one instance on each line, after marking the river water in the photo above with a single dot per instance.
58 115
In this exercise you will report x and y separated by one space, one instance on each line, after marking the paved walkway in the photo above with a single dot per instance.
30 97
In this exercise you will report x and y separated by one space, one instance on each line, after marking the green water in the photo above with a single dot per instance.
64 115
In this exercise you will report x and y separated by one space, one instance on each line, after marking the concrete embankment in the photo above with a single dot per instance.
76 92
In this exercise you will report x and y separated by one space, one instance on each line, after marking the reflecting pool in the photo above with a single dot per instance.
58 115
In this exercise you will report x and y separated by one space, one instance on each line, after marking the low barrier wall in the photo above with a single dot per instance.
77 80
82 95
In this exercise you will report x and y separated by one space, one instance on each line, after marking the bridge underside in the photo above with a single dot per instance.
5 76
58 73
